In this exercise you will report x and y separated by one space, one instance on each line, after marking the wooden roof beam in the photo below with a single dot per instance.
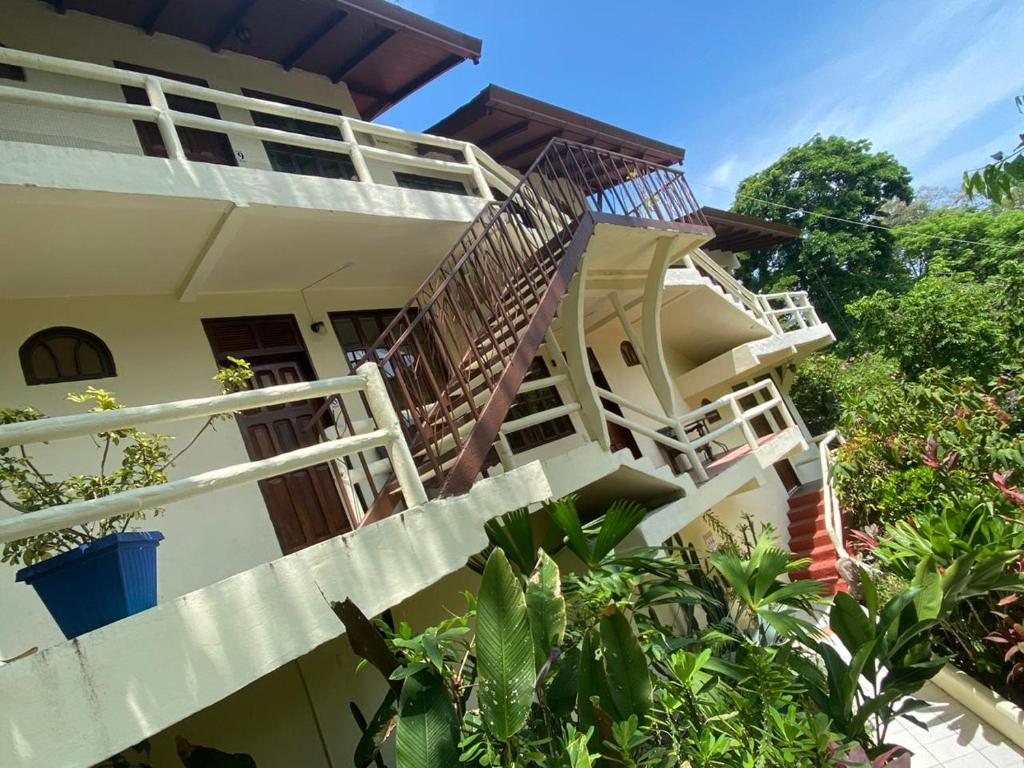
527 146
307 43
153 16
443 66
231 23
505 133
361 55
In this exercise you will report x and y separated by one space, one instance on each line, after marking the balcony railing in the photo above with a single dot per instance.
383 431
357 135
734 411
782 312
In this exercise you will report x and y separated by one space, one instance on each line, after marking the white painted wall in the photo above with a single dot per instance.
162 354
33 26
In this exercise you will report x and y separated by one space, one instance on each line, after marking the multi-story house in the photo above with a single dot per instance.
518 304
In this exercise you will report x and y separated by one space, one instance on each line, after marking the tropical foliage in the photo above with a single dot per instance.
128 458
930 470
648 659
828 187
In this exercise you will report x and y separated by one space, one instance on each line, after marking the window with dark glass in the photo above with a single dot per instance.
430 183
629 355
302 160
65 354
199 145
535 402
356 331
11 71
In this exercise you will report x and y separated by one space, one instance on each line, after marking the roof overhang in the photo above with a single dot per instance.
381 51
514 129
736 232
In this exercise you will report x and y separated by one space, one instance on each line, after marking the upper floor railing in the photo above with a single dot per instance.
458 158
782 312
383 431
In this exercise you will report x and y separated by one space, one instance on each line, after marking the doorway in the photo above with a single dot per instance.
619 436
305 506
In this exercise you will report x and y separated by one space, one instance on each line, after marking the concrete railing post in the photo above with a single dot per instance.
384 414
355 152
164 122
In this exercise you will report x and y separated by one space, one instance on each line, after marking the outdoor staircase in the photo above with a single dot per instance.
456 355
808 537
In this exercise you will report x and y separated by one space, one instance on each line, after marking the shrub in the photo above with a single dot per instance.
648 659
128 458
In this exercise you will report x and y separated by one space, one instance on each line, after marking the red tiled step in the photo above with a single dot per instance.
805 527
803 543
825 571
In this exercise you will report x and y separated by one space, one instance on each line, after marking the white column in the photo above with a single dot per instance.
383 412
168 132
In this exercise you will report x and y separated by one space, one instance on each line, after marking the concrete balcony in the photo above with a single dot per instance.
169 218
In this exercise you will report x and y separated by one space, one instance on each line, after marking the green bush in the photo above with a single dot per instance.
825 383
649 659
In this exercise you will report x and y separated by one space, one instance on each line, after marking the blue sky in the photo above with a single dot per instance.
736 82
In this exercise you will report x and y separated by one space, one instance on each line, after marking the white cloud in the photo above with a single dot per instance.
911 80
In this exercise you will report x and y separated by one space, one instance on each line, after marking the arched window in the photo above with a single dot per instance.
629 355
65 354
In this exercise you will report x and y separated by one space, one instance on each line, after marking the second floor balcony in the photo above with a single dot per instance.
174 187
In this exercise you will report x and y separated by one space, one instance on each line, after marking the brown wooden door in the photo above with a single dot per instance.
305 506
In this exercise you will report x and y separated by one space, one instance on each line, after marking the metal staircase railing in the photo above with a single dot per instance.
457 353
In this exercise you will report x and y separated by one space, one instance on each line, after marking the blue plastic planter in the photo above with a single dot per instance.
98 583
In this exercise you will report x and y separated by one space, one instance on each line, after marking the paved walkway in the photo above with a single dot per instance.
955 738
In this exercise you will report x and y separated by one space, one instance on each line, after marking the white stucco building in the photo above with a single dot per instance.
518 304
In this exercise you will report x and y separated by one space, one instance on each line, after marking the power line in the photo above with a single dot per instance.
805 212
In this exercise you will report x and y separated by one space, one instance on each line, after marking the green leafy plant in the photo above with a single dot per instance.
128 458
643 659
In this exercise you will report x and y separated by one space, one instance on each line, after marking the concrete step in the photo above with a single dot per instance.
805 527
803 544
803 515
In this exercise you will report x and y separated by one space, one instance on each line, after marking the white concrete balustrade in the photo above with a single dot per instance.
356 143
782 311
387 434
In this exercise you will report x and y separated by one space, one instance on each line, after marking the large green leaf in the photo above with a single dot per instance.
850 624
618 522
428 730
504 650
592 685
546 608
561 695
513 532
927 579
629 680
563 513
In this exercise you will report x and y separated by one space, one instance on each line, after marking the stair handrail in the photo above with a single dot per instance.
471 311
832 512
730 284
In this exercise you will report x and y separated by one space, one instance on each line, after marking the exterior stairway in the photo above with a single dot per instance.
456 355
808 537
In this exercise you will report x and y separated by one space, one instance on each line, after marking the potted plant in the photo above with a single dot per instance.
93 574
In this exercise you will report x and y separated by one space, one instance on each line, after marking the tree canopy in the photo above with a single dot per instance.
835 261
962 240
